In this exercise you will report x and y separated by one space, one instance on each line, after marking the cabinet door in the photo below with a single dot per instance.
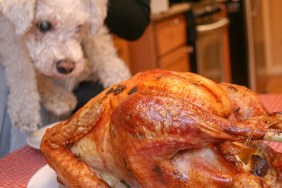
176 61
122 48
170 34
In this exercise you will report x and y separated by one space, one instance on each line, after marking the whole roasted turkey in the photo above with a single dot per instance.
168 129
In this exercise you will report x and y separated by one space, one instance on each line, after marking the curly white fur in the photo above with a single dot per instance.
30 56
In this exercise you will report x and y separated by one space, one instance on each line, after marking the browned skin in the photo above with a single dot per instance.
161 129
242 99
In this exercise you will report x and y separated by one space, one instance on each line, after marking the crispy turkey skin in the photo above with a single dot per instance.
167 129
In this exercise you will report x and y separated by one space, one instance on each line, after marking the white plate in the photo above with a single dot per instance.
45 177
35 139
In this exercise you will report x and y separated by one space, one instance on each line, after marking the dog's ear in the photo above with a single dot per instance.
97 10
19 12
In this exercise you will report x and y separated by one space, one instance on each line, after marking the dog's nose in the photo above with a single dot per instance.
65 66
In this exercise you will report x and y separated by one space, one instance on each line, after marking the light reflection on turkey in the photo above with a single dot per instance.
168 129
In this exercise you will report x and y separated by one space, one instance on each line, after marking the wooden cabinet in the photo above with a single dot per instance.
170 34
122 48
163 45
176 61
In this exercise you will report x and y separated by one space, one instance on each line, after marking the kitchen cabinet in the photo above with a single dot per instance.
164 43
122 49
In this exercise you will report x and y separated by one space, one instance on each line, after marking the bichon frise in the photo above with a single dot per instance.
47 47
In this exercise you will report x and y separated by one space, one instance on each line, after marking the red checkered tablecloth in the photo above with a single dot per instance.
273 103
17 168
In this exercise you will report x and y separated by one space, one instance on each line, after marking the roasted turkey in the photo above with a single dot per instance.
168 129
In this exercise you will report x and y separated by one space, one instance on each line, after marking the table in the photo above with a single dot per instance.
18 167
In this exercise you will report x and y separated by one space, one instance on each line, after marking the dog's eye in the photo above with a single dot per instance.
44 26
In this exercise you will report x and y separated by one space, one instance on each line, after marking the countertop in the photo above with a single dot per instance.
173 10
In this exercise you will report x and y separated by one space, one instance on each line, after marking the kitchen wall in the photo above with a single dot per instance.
264 21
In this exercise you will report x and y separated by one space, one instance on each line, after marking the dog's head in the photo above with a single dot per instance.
53 31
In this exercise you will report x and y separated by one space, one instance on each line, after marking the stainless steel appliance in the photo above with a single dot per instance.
208 35
212 42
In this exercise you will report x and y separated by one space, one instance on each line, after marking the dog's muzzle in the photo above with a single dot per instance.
65 66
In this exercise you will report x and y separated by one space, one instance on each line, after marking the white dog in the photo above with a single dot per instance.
47 47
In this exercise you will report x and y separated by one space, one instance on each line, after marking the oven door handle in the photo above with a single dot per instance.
217 25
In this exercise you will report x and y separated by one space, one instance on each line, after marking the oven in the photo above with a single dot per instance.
212 58
209 36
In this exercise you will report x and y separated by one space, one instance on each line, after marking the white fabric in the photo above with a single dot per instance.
5 122
11 138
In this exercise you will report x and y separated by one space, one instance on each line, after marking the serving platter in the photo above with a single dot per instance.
45 177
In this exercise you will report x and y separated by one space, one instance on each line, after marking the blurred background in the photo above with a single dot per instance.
225 40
